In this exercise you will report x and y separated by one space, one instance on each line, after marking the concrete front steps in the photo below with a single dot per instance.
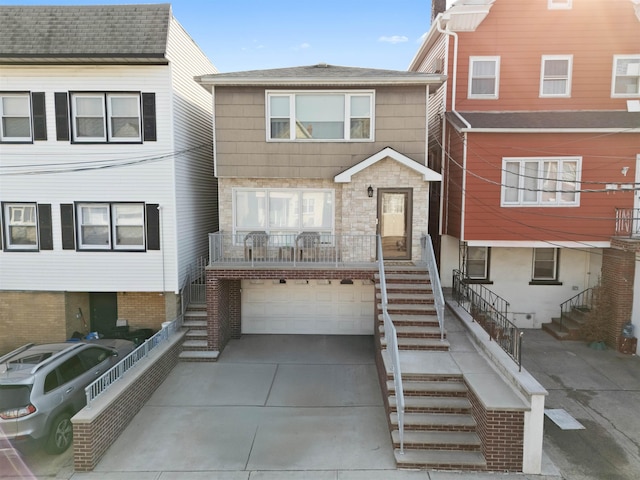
570 327
439 428
411 306
195 346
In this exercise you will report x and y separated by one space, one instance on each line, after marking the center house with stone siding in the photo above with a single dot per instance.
312 163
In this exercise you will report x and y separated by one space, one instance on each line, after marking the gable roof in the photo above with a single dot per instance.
84 34
388 152
578 121
321 74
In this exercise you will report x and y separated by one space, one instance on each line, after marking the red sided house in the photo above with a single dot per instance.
537 134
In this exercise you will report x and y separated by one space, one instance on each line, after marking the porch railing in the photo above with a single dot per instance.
490 311
291 249
428 257
198 281
627 222
391 337
582 301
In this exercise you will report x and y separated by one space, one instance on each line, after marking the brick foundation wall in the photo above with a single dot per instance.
91 439
501 435
31 317
142 309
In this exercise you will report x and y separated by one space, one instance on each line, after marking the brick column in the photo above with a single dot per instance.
235 313
618 273
213 311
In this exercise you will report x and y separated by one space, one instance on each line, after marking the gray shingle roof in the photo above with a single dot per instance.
594 120
322 74
83 33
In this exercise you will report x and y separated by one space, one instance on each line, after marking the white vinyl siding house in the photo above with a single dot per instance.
117 161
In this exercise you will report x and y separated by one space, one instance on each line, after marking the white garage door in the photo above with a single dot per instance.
308 307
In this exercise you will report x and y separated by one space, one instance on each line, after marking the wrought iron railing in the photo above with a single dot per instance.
391 337
627 222
198 281
491 312
260 248
582 301
428 257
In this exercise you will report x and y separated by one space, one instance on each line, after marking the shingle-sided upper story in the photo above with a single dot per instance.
315 121
549 55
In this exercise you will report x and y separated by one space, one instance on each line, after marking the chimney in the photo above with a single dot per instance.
437 6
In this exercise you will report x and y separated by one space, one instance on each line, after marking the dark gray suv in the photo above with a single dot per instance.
42 387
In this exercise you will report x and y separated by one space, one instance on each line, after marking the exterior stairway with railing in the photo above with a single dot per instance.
573 317
439 430
194 347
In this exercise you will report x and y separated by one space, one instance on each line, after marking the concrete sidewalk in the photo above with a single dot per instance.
310 407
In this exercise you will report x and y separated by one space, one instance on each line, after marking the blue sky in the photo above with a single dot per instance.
256 34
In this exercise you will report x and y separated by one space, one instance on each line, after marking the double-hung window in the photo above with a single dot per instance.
15 115
545 265
626 76
283 213
21 226
484 77
111 226
476 263
555 79
325 116
541 182
106 117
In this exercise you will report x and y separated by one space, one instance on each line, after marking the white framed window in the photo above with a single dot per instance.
15 117
559 4
320 116
111 226
541 182
477 263
626 76
21 226
555 77
283 212
484 77
106 117
128 226
545 264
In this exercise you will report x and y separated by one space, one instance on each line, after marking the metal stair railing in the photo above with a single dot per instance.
490 311
392 347
583 300
429 258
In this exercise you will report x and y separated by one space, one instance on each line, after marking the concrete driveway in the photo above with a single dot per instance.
271 403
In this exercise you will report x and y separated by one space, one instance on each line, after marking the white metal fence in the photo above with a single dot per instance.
255 248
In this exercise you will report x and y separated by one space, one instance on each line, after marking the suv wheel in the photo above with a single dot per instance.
61 434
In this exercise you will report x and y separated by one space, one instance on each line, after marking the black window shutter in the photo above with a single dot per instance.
68 227
39 116
62 116
44 227
153 227
149 117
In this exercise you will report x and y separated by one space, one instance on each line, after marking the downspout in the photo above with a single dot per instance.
454 84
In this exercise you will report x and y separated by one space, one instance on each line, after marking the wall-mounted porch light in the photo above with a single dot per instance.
370 191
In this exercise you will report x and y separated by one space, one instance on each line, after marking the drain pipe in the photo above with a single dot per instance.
454 84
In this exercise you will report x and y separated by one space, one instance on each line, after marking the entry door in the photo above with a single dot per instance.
394 222
104 311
